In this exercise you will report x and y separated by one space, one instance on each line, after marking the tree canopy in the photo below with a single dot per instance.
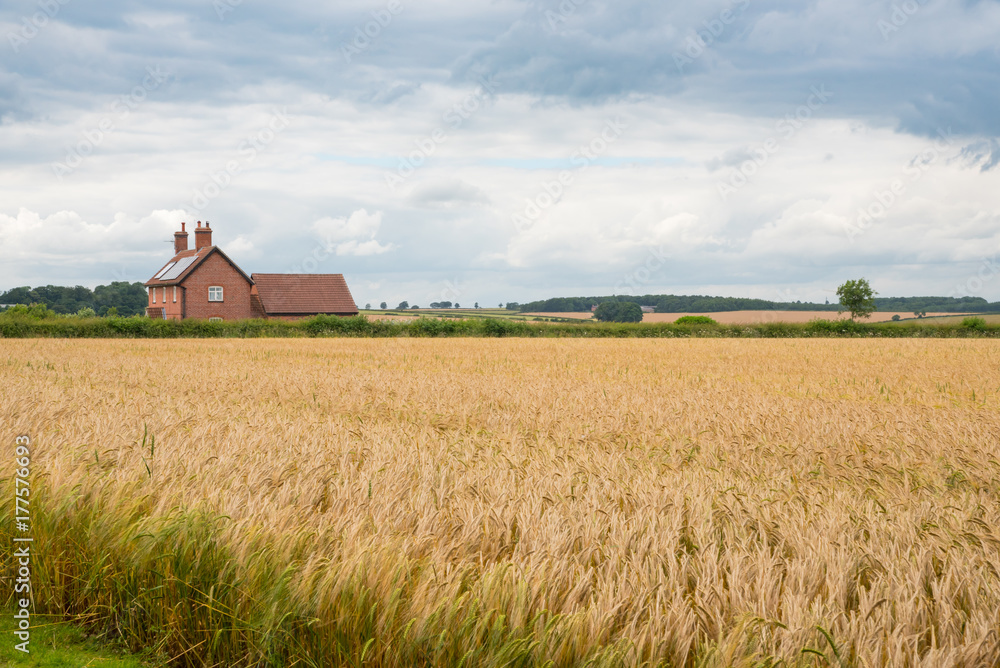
127 298
619 312
857 297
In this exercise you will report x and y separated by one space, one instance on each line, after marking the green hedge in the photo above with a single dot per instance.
695 320
359 326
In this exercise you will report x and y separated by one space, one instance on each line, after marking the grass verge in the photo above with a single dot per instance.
56 644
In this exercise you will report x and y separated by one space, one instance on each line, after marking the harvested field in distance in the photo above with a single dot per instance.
992 318
753 317
429 502
390 317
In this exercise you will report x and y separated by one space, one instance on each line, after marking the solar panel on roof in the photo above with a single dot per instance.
165 270
178 268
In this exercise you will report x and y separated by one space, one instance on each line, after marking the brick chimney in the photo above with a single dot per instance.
202 236
180 240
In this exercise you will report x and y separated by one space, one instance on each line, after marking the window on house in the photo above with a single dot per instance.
215 319
152 294
215 293
175 294
164 294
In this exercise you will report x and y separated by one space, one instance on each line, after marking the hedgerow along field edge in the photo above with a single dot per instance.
14 327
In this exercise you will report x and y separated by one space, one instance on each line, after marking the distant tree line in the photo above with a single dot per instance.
127 298
703 304
131 299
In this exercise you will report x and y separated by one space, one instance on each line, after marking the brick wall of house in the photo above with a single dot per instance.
173 309
215 270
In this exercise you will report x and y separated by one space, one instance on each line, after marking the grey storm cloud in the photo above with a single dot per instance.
753 56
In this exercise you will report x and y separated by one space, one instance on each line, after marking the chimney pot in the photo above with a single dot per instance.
180 241
202 236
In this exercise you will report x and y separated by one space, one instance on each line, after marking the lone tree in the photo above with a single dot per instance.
858 298
619 312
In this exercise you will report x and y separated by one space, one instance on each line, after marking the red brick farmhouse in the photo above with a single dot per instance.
205 283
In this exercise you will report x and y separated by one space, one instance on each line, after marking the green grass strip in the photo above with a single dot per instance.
59 644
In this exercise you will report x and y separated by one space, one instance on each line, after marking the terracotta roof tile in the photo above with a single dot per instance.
300 294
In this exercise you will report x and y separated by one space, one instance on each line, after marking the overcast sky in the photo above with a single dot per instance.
508 150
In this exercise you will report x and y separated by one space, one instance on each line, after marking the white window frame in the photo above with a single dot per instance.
175 294
152 293
211 288
164 294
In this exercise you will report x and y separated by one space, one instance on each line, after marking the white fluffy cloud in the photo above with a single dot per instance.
354 235
65 235
64 247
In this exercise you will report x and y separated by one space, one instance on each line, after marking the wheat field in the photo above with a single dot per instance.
510 502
